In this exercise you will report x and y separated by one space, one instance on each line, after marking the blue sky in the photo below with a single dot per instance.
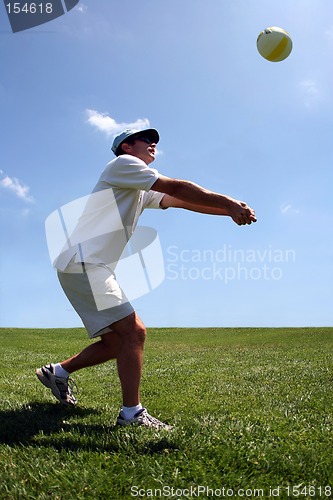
228 119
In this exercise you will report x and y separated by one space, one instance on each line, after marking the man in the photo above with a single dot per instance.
86 265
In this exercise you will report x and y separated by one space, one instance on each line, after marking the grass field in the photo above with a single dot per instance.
252 409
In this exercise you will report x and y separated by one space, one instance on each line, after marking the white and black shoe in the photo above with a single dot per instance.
142 417
62 388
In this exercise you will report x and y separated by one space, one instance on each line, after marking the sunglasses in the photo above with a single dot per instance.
144 139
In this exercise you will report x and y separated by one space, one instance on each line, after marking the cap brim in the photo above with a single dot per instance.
150 133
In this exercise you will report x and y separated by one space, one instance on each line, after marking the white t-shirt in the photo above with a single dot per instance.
109 215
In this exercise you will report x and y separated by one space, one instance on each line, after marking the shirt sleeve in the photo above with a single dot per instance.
129 172
153 200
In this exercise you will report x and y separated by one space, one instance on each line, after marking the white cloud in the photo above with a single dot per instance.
109 126
310 91
289 209
104 123
309 86
81 8
19 189
285 207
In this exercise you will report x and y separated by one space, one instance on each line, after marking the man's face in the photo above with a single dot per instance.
142 148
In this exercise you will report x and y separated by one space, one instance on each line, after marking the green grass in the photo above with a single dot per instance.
252 409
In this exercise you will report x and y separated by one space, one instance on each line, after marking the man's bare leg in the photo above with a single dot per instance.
125 343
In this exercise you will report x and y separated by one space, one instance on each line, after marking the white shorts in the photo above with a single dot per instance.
93 291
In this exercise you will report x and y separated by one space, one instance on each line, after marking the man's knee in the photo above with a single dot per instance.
131 330
137 335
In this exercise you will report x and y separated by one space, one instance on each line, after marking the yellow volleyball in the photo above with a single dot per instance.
274 44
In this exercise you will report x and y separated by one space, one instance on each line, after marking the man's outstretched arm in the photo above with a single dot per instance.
191 196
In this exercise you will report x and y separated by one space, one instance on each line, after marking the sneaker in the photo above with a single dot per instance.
62 388
142 417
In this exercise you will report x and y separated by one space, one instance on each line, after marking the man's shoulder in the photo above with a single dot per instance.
123 160
127 172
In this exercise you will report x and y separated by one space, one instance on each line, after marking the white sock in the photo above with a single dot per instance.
59 371
130 411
